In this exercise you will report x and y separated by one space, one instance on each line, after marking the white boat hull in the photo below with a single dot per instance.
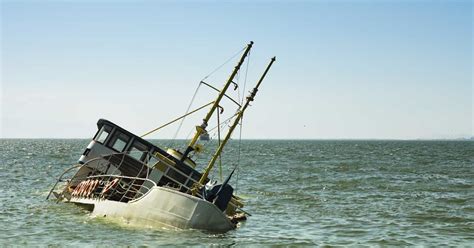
162 206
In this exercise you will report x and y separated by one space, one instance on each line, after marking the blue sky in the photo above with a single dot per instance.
345 69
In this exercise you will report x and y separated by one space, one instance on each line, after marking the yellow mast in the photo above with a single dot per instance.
234 124
201 129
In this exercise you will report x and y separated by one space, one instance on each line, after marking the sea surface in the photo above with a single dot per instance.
308 193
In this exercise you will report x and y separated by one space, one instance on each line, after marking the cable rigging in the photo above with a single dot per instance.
199 85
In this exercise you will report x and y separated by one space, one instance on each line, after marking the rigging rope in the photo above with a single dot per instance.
219 143
245 79
199 85
227 61
181 117
237 166
218 113
212 133
187 110
238 91
238 156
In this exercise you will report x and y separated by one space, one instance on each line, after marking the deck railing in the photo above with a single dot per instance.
129 188
112 187
124 188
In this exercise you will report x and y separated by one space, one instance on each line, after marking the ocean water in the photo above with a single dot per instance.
309 193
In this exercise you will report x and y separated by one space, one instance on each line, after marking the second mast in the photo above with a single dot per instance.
202 128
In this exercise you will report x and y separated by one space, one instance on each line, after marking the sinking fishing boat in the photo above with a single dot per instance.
123 175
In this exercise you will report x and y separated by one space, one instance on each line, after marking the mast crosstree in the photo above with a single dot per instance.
123 175
237 119
202 128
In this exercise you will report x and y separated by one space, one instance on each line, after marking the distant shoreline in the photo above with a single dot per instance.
259 139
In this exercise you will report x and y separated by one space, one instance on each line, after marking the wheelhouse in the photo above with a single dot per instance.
131 156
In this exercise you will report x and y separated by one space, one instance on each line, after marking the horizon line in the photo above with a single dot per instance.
282 139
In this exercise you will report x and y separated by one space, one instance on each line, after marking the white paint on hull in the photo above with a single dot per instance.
162 206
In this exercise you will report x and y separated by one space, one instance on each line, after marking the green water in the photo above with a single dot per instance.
372 193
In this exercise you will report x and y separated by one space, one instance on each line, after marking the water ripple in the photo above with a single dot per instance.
308 193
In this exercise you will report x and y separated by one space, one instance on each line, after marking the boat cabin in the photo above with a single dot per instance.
116 151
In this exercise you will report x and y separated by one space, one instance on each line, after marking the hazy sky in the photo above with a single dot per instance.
344 69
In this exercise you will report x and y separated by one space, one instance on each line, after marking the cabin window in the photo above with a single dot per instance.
152 161
103 134
120 142
137 150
